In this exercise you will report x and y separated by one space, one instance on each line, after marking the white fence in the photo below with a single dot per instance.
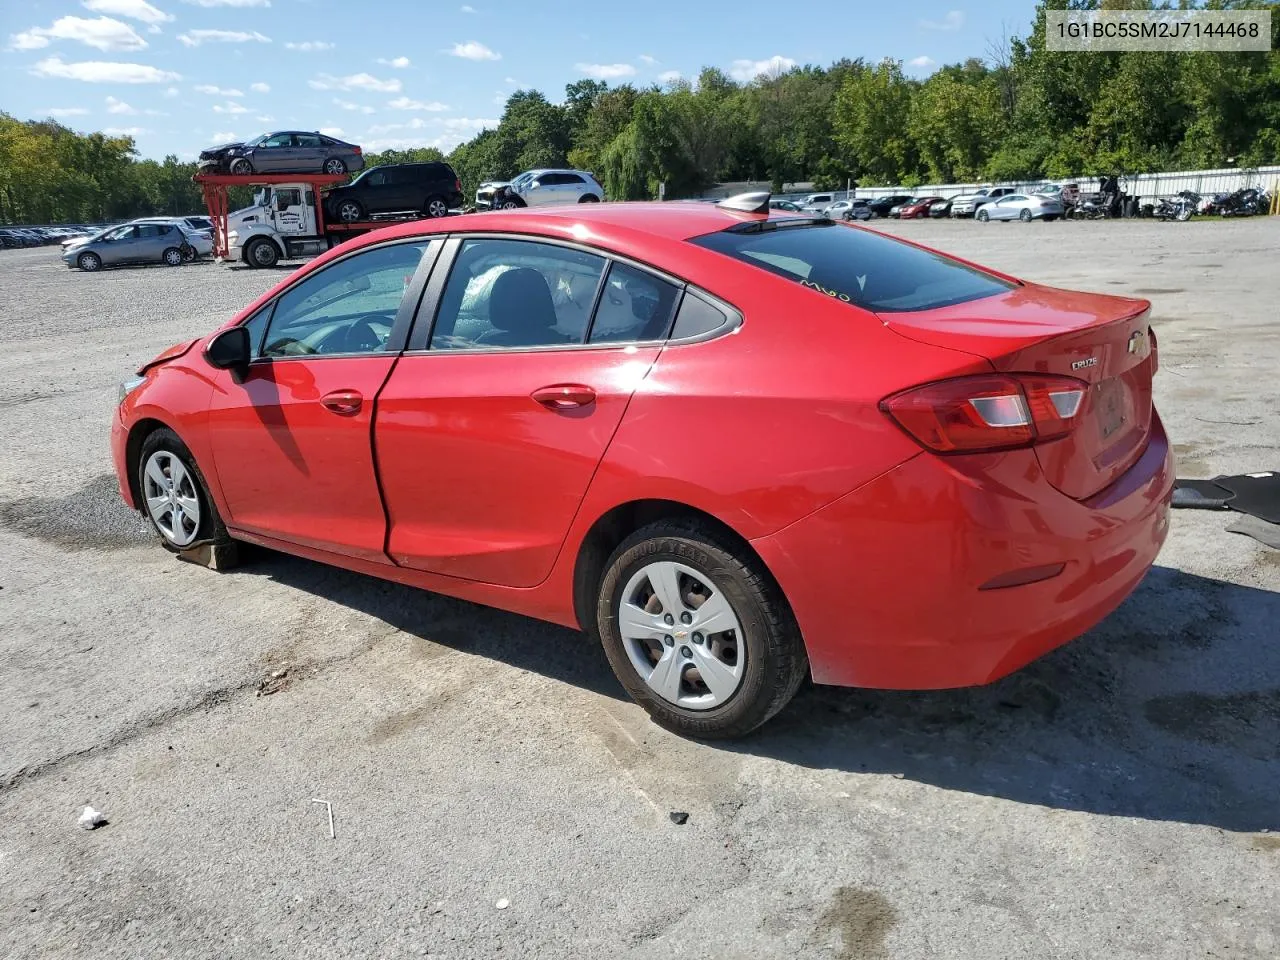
1148 186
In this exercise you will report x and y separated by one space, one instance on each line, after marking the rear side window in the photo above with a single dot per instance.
634 305
856 266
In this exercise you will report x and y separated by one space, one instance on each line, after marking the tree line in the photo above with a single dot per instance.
1019 113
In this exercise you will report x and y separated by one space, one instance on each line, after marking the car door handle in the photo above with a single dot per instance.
565 396
345 402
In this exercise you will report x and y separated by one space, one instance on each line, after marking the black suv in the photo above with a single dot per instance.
428 188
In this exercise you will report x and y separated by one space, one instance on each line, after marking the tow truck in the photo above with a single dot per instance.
285 221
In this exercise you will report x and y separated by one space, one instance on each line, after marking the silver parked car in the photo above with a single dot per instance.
848 210
149 242
1019 206
286 151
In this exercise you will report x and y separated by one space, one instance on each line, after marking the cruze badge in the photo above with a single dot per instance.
1080 364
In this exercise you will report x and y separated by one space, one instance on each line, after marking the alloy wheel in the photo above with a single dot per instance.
170 494
437 208
681 635
349 211
89 262
335 166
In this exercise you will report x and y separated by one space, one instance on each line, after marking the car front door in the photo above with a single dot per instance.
119 246
291 443
273 154
494 421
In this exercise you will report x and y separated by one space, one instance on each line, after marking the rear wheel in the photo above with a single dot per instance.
509 205
89 262
588 198
241 167
436 208
172 257
261 253
982 215
697 631
335 166
174 494
1025 216
349 211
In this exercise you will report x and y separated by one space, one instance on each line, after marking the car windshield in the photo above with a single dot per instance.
256 141
856 266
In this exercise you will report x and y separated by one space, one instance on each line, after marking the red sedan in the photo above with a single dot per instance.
738 448
918 209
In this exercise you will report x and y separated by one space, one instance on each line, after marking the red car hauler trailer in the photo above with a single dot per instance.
286 220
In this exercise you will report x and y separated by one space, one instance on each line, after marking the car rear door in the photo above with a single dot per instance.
308 153
493 422
292 440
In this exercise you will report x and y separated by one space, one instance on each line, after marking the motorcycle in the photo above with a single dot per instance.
1178 208
1244 203
1107 202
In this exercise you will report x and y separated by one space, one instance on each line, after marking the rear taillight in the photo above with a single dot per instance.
457 184
359 152
983 413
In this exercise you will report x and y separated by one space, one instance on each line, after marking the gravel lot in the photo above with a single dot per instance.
1111 800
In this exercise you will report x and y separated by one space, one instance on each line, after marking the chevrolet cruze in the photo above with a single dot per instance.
740 448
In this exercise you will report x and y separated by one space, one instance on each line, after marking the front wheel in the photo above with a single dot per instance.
241 167
437 208
1025 216
350 211
89 262
1184 214
983 216
172 257
335 166
697 631
174 494
509 205
261 253
588 198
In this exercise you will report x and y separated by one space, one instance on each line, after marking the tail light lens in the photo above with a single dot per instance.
985 413
359 152
457 184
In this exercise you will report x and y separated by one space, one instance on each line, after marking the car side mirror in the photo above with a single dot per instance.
535 185
230 350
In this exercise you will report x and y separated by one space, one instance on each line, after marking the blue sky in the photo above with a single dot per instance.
179 75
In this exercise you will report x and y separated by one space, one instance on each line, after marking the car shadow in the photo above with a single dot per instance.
1169 710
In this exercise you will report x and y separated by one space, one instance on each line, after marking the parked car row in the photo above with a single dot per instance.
172 241
1043 202
12 238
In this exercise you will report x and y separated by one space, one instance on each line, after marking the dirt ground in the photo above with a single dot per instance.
494 793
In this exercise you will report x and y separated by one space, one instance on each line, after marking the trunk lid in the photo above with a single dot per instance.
1101 340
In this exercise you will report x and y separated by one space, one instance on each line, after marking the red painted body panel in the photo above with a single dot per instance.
774 430
481 480
894 601
292 468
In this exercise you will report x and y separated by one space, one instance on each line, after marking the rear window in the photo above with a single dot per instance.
854 265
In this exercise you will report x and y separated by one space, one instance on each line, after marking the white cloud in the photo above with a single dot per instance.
99 71
922 62
467 8
467 123
510 80
260 87
647 60
123 131
309 46
134 9
231 3
354 107
607 71
471 50
264 118
398 62
210 89
171 92
355 81
230 107
119 106
101 33
193 38
65 112
223 137
669 76
500 98
332 131
404 103
744 70
953 21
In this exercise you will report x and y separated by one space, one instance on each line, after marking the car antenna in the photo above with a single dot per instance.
755 202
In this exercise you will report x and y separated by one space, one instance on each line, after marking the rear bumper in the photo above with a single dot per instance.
885 581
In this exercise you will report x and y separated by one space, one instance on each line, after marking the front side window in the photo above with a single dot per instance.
634 306
291 197
349 307
855 266
279 140
516 293
123 233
